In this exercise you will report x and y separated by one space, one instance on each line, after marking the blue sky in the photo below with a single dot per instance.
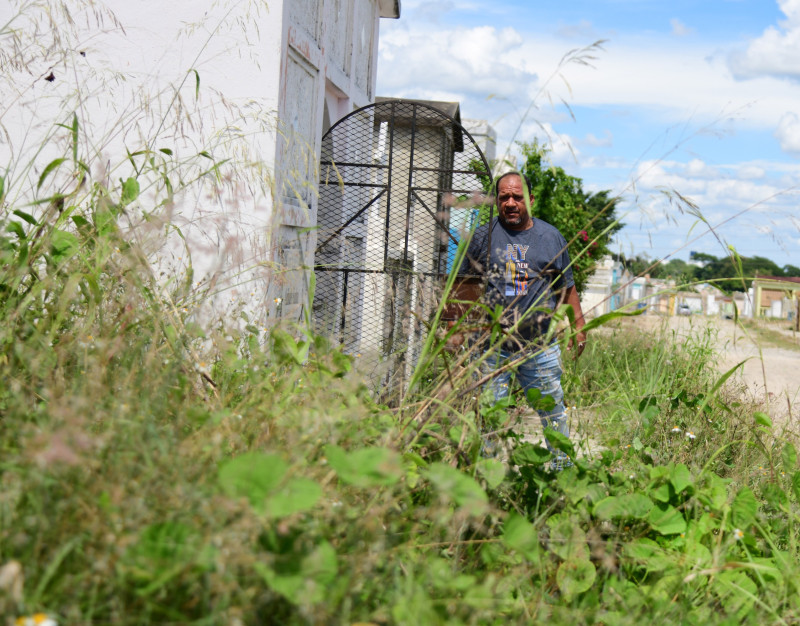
701 98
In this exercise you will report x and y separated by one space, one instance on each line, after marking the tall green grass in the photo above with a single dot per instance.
157 472
155 469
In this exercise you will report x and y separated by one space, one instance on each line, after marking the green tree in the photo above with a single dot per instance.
726 274
586 220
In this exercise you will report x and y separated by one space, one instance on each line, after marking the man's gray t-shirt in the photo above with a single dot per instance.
526 270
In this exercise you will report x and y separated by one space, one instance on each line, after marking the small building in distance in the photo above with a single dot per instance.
776 296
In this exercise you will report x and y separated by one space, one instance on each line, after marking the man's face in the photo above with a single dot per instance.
512 208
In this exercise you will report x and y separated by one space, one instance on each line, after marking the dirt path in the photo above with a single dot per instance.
770 373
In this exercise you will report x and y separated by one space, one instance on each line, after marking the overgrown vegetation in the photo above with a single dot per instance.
156 470
147 479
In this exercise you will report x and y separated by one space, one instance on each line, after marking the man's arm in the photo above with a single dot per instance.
571 297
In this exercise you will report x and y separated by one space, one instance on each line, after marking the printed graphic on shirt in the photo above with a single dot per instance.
516 274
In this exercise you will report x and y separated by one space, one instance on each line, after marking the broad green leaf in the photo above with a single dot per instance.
576 489
538 401
796 485
680 477
130 191
648 553
762 419
290 586
714 493
559 441
368 467
317 571
520 535
666 520
789 457
463 489
63 245
297 495
737 592
48 170
26 216
321 565
662 493
254 475
17 229
744 508
574 577
775 496
631 505
567 538
104 222
529 454
493 471
288 348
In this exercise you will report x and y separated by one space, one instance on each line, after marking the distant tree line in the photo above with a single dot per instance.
725 273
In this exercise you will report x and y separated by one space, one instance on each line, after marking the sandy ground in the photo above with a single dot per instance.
771 370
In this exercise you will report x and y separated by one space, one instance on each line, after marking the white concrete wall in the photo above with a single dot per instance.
245 82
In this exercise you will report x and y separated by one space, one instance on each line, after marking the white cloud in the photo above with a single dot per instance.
788 132
478 61
776 52
679 29
606 141
583 29
751 172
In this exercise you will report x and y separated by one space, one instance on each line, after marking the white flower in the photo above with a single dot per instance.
676 430
690 434
738 534
38 619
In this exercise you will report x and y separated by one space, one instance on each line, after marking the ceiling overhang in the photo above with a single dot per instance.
389 8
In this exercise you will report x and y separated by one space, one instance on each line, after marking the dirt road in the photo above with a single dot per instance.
771 352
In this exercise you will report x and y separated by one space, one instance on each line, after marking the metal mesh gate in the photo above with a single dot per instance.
387 235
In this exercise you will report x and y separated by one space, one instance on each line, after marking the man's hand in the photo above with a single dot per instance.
577 343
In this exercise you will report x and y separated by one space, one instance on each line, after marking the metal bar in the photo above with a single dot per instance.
389 188
348 222
410 181
358 270
446 171
436 189
376 166
344 306
344 184
433 215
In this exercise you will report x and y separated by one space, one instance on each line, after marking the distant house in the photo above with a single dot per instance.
776 296
605 291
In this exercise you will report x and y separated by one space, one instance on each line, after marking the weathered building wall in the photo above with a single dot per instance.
255 84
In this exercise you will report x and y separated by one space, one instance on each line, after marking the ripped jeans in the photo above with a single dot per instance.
542 371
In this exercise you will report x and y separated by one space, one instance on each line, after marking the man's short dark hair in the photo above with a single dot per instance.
513 173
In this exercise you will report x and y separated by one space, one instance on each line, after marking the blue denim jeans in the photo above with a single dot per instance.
541 371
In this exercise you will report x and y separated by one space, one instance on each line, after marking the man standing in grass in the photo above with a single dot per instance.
528 269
